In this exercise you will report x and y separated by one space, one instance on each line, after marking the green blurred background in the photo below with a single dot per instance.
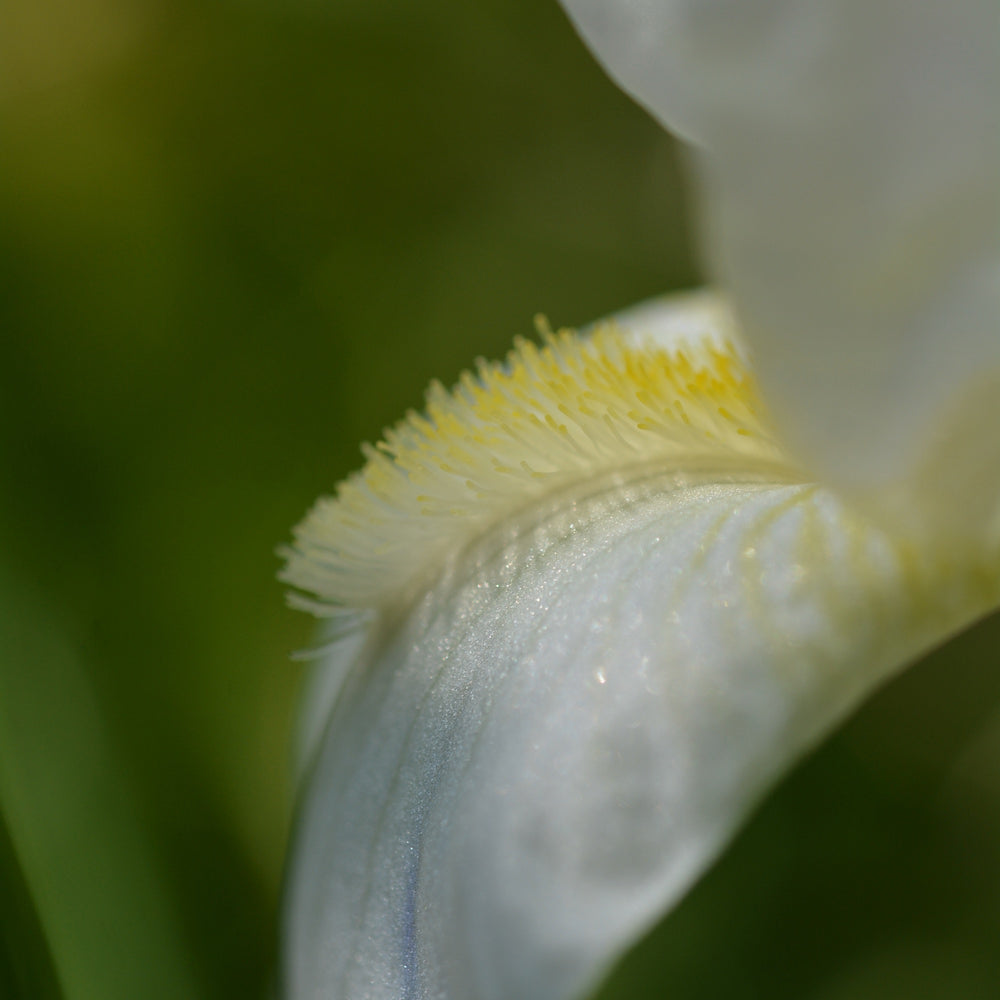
236 239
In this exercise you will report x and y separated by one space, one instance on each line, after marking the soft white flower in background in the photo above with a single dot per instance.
597 599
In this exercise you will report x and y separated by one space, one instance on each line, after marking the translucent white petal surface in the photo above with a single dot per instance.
533 762
609 654
849 152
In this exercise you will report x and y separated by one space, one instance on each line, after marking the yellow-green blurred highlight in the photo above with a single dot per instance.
237 237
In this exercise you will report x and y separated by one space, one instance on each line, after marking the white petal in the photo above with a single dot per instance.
850 154
677 321
533 763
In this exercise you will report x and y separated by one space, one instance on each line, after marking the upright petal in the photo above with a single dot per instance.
849 152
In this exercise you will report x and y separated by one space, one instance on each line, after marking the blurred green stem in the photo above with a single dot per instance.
74 841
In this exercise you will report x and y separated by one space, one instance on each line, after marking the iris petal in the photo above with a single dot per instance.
561 695
850 156
530 764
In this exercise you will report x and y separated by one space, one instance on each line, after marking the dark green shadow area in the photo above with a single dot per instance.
26 970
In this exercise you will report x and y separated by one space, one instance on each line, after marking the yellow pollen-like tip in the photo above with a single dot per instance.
570 410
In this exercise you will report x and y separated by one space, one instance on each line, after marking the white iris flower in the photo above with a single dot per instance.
595 600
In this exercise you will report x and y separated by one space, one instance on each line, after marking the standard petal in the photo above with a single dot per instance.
535 760
850 156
